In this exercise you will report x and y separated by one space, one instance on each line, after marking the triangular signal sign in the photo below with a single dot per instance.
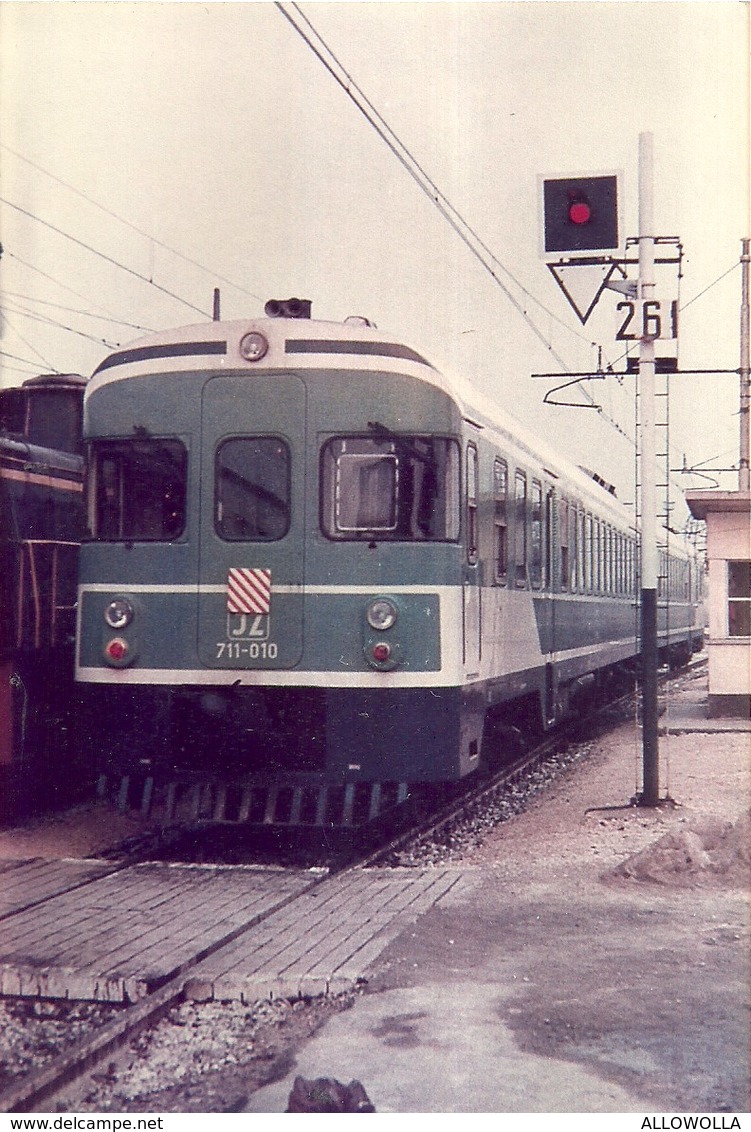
582 284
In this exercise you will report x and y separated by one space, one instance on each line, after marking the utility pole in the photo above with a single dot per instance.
649 556
744 478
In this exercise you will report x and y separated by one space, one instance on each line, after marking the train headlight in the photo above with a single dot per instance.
119 613
254 346
381 614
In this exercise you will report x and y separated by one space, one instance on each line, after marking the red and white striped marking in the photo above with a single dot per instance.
248 590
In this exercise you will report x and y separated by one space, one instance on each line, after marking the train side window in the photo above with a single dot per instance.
626 565
535 539
588 573
580 551
520 528
471 504
549 539
252 489
661 576
137 489
573 542
564 536
500 496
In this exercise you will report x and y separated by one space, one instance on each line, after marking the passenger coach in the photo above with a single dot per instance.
313 559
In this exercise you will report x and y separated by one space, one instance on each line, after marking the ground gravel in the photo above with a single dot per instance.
32 1033
206 1057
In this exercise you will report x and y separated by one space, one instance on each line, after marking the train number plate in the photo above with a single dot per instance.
247 639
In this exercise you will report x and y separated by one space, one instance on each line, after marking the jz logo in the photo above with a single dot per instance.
252 626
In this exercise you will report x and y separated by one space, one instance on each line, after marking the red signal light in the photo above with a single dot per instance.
116 650
579 212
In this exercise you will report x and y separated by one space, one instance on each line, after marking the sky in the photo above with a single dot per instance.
150 152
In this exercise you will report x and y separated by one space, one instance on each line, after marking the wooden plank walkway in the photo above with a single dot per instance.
117 938
325 941
28 882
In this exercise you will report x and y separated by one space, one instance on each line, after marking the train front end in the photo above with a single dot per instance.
271 589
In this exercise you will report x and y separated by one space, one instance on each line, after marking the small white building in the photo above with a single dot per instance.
728 518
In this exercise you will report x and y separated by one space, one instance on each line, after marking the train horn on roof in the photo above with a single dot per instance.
288 308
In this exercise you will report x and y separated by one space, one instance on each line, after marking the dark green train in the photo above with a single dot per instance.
317 568
41 524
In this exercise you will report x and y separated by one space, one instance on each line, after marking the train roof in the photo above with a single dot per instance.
56 381
224 345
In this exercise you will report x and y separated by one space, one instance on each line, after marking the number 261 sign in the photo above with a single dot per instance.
646 318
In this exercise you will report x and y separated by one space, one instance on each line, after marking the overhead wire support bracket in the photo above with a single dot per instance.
575 379
596 375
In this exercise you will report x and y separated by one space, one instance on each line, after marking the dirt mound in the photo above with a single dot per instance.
708 851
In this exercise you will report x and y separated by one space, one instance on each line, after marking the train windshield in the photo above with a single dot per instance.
137 490
390 487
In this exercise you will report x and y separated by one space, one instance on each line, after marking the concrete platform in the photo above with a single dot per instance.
26 883
686 711
688 716
325 941
119 936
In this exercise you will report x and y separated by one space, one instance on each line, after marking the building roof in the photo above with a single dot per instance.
701 503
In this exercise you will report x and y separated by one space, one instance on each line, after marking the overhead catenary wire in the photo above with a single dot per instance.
26 342
128 224
58 283
77 310
104 256
453 217
45 320
32 365
462 228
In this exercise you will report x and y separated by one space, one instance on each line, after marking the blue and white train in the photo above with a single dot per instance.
314 563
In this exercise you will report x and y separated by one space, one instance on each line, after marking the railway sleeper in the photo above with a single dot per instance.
252 802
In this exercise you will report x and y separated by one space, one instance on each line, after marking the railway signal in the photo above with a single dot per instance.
580 214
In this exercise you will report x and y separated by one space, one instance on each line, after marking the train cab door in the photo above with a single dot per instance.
252 522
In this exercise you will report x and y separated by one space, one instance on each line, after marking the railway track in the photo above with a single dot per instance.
39 1087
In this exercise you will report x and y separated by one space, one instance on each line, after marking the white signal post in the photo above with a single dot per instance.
649 556
744 472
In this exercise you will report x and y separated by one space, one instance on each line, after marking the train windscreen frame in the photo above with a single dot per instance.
390 488
252 489
137 489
